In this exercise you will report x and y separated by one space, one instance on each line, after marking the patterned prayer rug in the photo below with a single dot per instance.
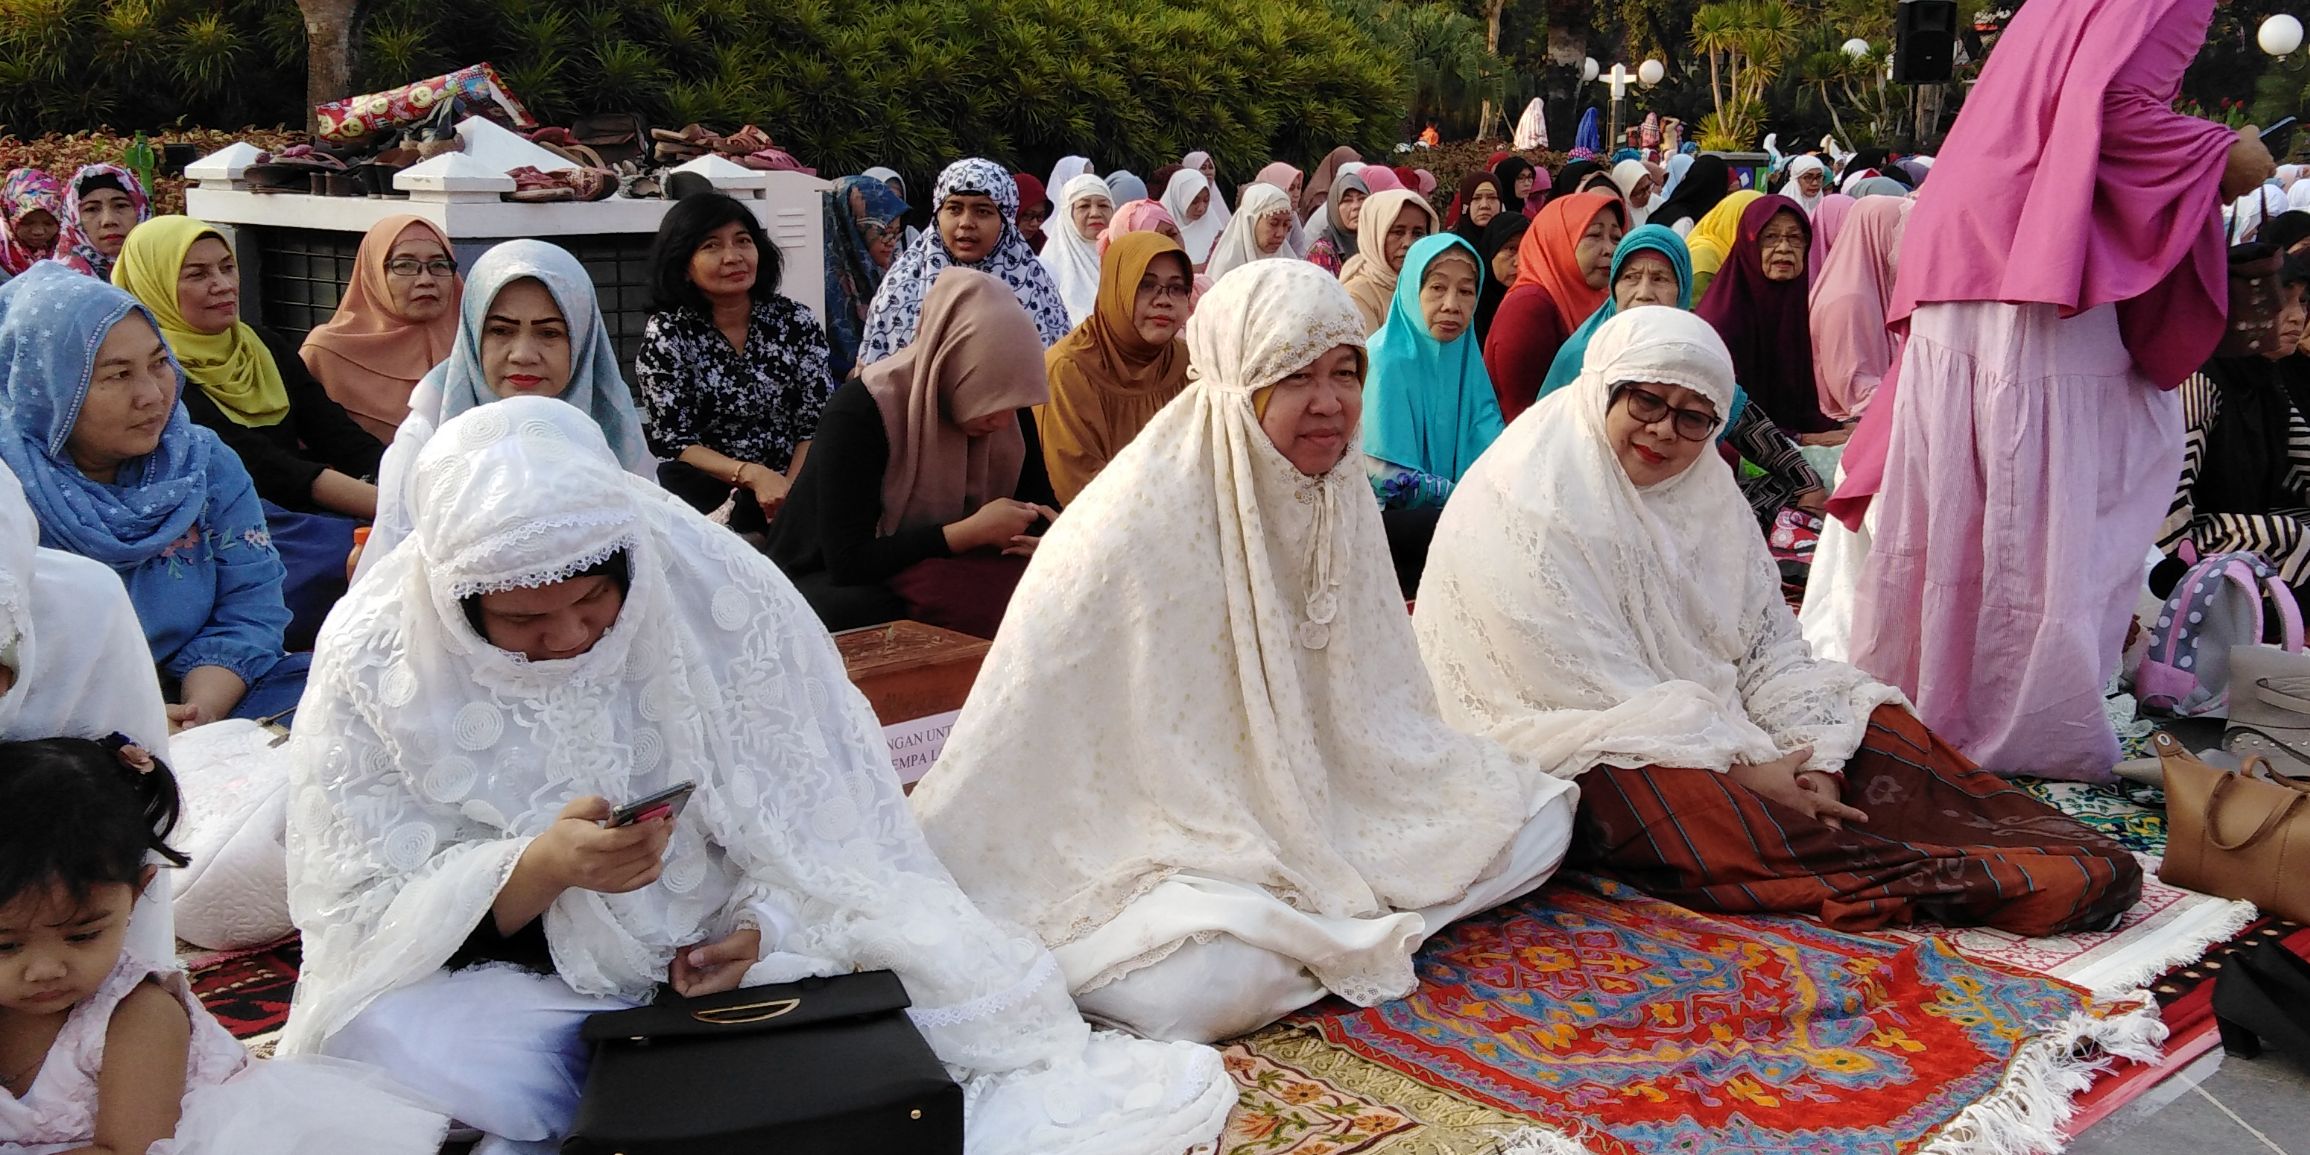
1287 1111
2133 814
248 991
1648 1028
2168 928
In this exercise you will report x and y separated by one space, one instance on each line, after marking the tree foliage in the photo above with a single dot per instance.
844 84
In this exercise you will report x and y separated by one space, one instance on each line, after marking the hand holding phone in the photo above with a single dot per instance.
666 803
582 850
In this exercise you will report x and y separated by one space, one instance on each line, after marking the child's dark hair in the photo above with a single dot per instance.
81 814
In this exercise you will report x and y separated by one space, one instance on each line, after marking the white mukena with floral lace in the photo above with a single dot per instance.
442 781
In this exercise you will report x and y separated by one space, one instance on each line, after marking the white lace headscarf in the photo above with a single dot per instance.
1198 235
1073 261
1578 619
1196 160
1218 677
1239 243
1794 191
426 759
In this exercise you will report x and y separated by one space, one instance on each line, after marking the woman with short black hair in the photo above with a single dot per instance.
731 375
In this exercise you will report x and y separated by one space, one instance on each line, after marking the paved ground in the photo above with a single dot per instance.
2219 1106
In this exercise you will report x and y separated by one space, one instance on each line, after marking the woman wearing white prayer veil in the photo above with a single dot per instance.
1206 769
1201 162
74 663
1584 606
1072 256
556 634
1262 228
1531 128
1198 226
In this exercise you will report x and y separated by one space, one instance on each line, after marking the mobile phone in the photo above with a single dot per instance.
666 803
2277 128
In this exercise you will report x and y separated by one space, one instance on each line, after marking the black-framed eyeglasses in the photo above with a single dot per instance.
411 266
1648 407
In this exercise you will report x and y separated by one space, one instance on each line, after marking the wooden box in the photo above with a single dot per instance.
909 670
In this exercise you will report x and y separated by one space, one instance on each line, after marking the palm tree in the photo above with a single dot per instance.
1716 34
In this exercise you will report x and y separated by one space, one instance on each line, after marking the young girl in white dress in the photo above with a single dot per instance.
89 817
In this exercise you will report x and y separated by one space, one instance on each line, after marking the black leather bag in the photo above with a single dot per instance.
820 1067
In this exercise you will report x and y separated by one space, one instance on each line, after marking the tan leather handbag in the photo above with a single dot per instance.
2243 834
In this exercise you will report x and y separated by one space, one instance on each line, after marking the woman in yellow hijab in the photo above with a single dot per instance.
1713 235
302 450
313 466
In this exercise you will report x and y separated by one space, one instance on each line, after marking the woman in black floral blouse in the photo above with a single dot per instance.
731 375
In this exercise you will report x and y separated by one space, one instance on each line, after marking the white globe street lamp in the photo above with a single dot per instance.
2280 35
1856 48
1588 69
1650 73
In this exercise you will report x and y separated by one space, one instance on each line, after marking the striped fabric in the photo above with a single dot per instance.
1944 842
2282 536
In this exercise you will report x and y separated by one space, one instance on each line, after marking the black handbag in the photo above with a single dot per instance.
828 1066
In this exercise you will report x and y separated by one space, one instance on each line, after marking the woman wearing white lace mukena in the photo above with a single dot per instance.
1207 767
557 636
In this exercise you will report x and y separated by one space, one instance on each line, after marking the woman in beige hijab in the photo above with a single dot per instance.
921 506
1390 223
1207 769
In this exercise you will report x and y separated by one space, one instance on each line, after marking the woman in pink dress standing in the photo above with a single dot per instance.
2061 278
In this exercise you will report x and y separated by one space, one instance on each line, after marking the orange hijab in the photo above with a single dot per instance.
1546 258
370 357
975 352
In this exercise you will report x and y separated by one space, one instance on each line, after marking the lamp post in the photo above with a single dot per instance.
1647 74
2280 35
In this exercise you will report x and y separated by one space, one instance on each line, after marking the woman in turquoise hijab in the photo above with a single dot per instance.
1776 475
1656 239
1429 409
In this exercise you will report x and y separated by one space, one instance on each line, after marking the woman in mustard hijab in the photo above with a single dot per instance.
313 466
1121 365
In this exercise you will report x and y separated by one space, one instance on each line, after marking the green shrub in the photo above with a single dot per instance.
843 84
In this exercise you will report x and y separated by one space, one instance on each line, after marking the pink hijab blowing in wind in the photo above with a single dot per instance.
2069 180
2080 186
1853 348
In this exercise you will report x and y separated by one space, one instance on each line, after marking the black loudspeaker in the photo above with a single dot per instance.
1924 41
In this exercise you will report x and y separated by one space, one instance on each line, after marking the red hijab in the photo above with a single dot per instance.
1767 324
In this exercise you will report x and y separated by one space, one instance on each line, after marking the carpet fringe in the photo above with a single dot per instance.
2025 1115
2237 915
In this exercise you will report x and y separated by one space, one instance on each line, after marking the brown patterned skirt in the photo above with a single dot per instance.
1944 843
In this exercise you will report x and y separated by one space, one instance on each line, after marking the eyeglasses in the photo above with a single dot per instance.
1648 407
411 266
1162 289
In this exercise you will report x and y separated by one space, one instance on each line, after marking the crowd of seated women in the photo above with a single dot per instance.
1189 519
